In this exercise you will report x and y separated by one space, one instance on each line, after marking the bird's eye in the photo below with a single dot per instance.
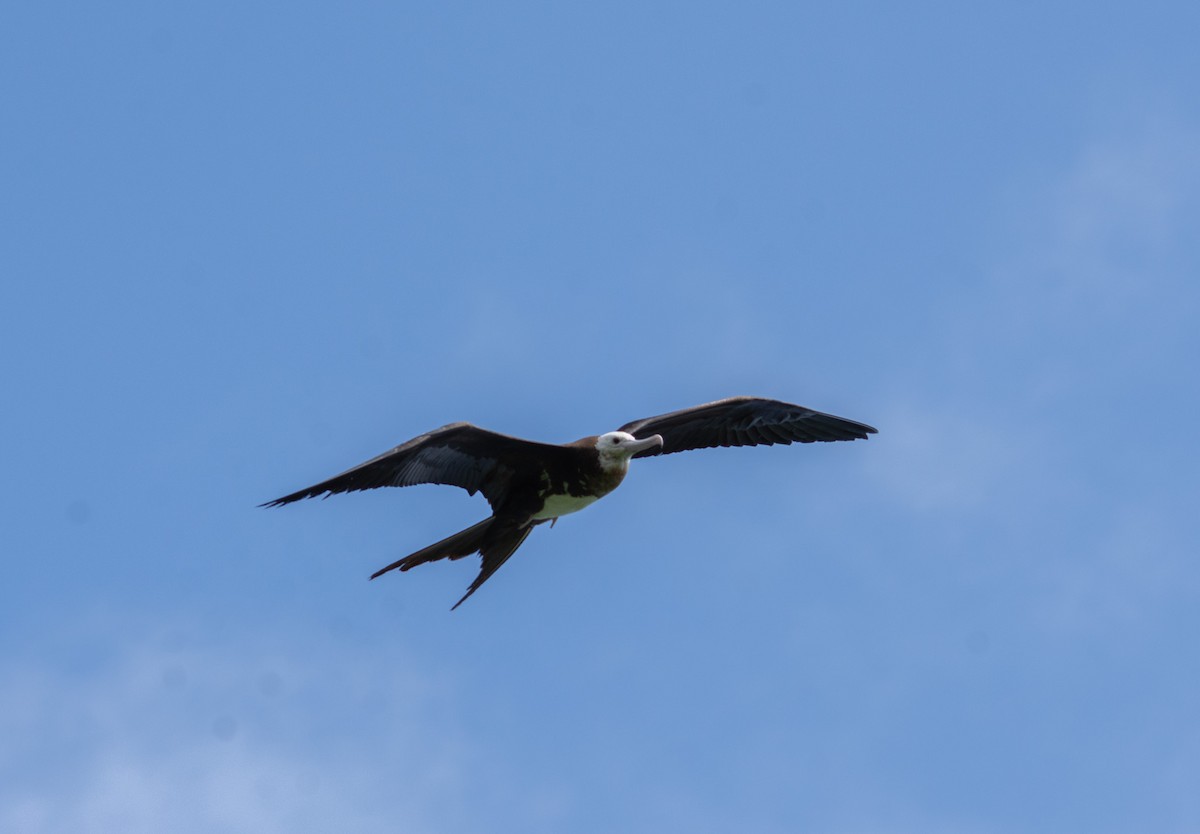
615 441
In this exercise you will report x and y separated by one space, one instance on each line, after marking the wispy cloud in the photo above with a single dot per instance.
1109 241
938 460
230 737
1046 414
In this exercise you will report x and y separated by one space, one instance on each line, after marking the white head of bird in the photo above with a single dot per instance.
617 447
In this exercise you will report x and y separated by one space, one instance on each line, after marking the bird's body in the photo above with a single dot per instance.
528 483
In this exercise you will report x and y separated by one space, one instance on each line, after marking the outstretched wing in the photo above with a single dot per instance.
743 421
458 454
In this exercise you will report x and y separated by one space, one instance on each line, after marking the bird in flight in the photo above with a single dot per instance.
528 483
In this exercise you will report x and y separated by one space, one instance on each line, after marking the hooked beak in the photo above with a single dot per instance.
654 441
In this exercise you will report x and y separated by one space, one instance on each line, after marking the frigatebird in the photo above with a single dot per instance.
528 483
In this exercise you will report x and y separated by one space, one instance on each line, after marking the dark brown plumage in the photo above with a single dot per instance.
528 483
743 421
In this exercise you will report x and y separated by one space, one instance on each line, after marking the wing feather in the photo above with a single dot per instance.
743 421
458 454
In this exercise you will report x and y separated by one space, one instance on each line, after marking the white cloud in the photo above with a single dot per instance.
1124 191
1111 236
228 738
1048 405
937 460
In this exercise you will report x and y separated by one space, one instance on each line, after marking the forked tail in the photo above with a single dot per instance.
495 538
457 546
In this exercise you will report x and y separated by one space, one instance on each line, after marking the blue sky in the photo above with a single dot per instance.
249 245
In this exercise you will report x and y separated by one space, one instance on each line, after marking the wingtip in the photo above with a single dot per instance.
286 499
399 564
292 498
